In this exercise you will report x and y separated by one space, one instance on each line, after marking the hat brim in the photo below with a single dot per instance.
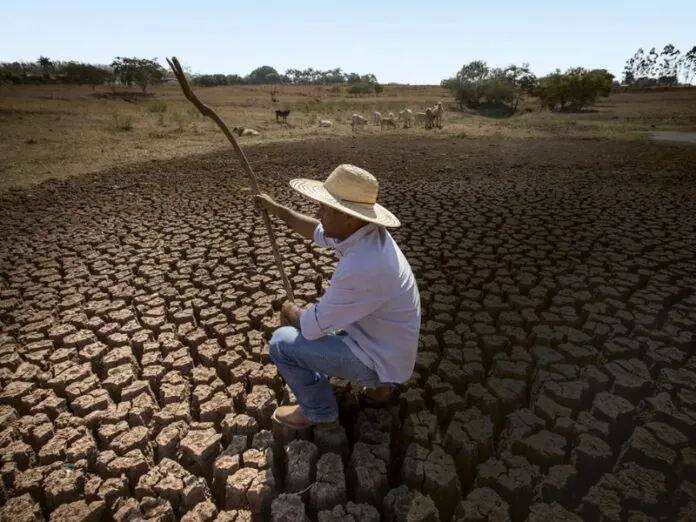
315 190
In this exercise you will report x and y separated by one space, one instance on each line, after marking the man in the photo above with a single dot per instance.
365 327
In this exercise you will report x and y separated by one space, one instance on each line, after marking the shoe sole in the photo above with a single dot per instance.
316 425
290 425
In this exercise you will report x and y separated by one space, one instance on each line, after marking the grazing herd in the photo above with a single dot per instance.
430 118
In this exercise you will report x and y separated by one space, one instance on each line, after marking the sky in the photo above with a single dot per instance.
420 42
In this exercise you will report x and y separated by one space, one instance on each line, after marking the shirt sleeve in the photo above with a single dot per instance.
350 297
320 238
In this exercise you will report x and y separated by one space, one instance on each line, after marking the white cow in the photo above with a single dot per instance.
439 111
434 116
376 118
243 131
325 123
407 116
388 122
357 119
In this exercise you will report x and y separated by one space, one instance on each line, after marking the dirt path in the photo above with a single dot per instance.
687 137
556 378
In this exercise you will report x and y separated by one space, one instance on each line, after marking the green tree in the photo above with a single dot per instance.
85 74
139 71
553 91
353 78
575 89
466 84
477 83
475 71
263 75
46 65
369 79
523 81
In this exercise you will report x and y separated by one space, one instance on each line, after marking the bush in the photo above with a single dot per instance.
358 89
497 90
122 122
573 90
476 83
181 120
140 71
157 106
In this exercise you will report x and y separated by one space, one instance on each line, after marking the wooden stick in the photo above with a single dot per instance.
210 113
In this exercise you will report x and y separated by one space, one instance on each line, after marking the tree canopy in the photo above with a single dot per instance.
476 85
139 71
663 69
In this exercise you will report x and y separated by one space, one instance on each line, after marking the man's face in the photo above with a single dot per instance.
333 221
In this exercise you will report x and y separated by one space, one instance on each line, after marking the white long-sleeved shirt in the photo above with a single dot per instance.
373 297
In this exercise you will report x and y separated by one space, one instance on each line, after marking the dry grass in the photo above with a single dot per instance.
59 131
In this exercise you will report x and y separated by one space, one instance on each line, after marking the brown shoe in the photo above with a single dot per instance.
292 417
378 396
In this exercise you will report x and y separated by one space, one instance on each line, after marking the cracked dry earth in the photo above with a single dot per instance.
556 378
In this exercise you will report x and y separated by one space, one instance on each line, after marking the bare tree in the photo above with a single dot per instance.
689 64
668 66
651 63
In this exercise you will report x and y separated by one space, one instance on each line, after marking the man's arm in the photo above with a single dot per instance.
303 225
350 297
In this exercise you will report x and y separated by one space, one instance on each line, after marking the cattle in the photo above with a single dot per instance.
388 122
325 123
407 116
282 115
357 119
434 116
376 118
243 131
439 111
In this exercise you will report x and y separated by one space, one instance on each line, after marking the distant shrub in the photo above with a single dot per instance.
477 85
358 89
122 122
181 120
157 106
574 90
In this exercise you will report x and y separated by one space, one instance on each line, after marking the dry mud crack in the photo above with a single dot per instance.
556 378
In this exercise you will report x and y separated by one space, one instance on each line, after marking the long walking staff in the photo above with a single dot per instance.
207 111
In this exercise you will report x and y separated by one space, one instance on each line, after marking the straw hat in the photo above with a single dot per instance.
349 189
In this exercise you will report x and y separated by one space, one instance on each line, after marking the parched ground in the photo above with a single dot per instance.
556 378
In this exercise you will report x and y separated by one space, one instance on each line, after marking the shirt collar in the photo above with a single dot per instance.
344 246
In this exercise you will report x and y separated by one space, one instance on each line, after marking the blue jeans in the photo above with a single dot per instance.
305 366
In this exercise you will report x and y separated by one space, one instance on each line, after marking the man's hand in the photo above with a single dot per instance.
290 314
303 225
264 201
